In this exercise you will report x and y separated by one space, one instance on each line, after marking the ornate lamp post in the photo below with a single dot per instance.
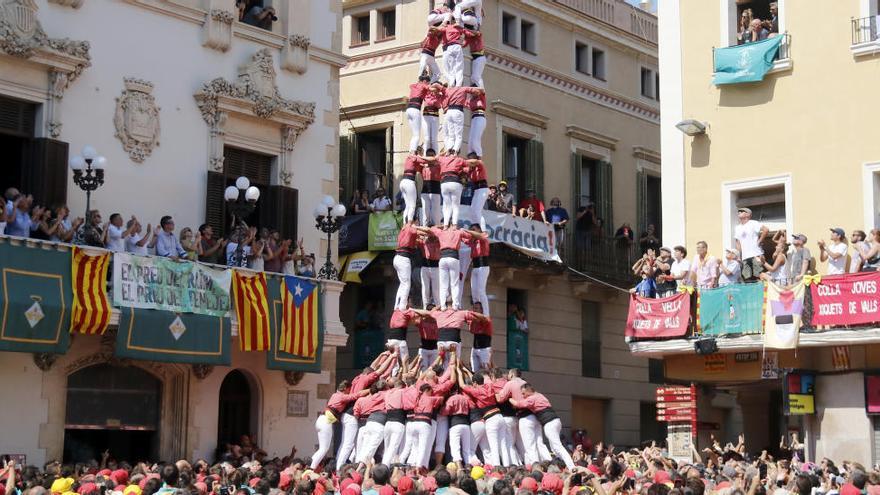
88 174
328 219
241 199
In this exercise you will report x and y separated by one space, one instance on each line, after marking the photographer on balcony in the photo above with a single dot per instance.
252 12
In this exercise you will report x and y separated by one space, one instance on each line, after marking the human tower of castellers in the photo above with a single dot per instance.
400 410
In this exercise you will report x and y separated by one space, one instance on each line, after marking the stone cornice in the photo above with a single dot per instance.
592 137
646 154
374 108
519 113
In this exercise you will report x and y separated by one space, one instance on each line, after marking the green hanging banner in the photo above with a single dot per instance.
745 63
37 295
383 229
156 335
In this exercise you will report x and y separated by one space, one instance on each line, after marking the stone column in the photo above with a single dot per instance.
334 330
295 52
217 30
216 141
58 82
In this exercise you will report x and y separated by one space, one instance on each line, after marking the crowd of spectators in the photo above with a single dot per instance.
753 29
603 470
261 249
663 271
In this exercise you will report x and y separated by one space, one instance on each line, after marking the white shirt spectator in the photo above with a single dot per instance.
735 273
115 241
837 266
747 235
856 258
381 204
680 268
230 255
131 244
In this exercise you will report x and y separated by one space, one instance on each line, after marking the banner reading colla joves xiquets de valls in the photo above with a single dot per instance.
161 283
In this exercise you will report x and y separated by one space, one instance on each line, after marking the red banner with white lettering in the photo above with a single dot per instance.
651 318
842 300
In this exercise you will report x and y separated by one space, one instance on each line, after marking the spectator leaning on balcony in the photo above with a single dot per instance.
191 243
681 266
21 220
117 234
138 239
380 201
749 236
64 228
537 204
835 254
756 31
506 201
776 270
167 244
860 248
91 233
799 259
211 248
558 216
705 267
623 238
872 257
729 268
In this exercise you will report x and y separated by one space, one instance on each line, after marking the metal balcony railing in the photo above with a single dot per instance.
601 256
864 30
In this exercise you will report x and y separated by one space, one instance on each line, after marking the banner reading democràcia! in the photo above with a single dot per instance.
852 299
533 238
161 283
650 318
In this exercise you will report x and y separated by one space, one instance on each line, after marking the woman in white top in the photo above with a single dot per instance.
776 272
860 248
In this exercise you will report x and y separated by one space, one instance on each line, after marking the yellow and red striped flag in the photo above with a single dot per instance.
299 325
252 310
91 306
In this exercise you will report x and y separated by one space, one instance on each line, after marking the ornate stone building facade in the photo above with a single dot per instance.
128 76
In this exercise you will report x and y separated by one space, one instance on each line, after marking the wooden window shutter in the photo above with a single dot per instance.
604 200
18 117
641 201
389 164
347 167
575 184
45 176
215 204
534 176
279 210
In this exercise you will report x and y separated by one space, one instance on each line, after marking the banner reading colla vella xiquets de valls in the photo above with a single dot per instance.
160 283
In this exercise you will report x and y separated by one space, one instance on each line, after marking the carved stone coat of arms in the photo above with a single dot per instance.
137 119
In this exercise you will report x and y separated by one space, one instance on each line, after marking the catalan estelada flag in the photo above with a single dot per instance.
91 306
252 310
299 324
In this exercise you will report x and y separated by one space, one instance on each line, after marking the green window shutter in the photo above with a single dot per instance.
347 167
215 204
279 210
45 176
641 201
604 200
534 174
575 184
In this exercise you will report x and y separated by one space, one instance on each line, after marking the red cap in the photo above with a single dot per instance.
661 477
105 472
849 489
429 483
88 488
120 476
386 490
357 477
551 482
404 484
529 483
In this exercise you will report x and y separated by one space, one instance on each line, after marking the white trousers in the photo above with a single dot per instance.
451 194
479 279
449 273
393 438
402 350
464 264
534 449
349 435
496 433
478 201
477 5
460 443
478 439
475 138
442 433
552 431
430 276
325 438
453 63
410 195
426 455
454 128
374 433
428 356
403 265
430 62
431 124
477 67
431 210
444 346
409 441
414 117
512 425
480 358
422 437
